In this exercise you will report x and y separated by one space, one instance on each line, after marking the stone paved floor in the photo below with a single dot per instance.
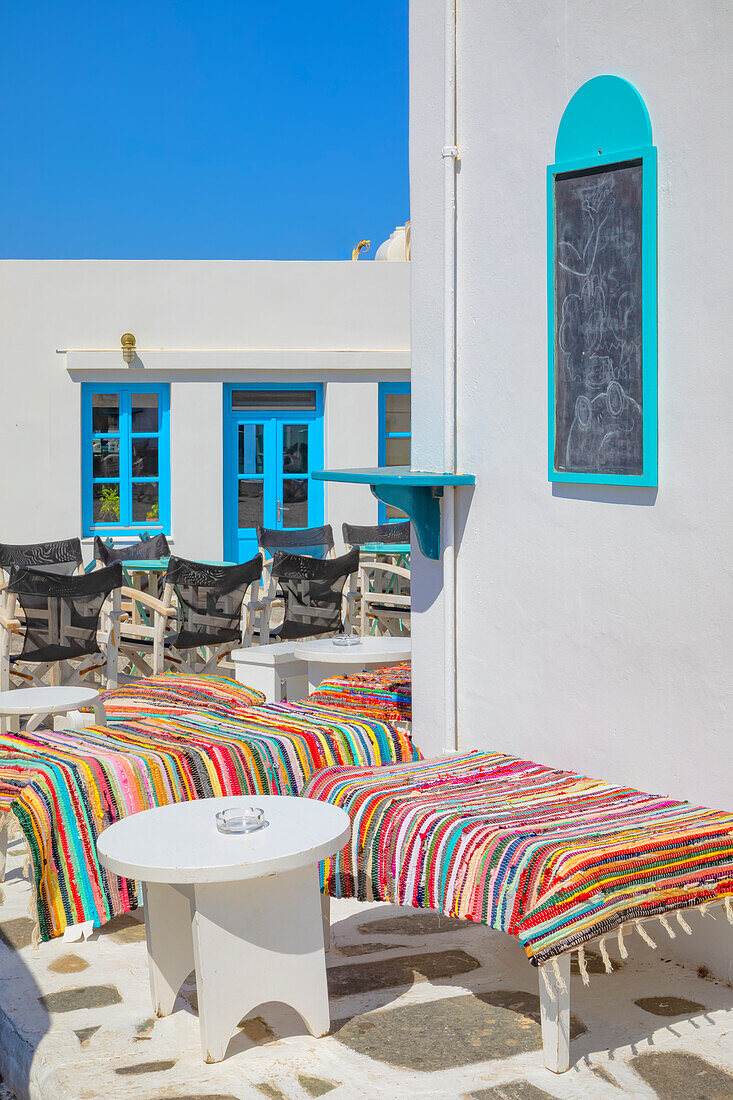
422 1007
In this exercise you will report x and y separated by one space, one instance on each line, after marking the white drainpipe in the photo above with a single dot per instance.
450 154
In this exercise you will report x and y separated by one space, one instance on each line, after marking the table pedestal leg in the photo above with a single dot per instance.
326 919
168 919
256 941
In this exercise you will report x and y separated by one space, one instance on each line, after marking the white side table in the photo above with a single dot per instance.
326 659
48 700
244 911
272 669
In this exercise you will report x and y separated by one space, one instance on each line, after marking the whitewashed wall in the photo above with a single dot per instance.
344 324
594 623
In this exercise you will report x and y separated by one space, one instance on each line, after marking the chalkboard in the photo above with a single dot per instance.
597 281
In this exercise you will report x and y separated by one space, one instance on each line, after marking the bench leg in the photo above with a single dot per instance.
555 1016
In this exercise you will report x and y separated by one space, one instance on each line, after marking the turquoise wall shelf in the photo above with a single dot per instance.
416 492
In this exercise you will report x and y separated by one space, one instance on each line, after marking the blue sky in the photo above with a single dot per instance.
202 128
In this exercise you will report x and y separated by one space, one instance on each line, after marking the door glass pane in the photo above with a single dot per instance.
295 448
251 498
105 412
105 458
295 502
251 443
242 400
397 452
144 412
106 502
145 457
398 412
145 502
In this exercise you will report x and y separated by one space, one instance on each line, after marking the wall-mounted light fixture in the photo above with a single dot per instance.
128 347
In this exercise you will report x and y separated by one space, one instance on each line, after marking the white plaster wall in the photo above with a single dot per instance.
426 243
197 470
594 623
209 321
351 410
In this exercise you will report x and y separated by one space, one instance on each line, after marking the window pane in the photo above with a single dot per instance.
251 497
397 412
295 502
295 448
397 452
274 399
106 503
145 412
105 458
145 502
105 412
145 457
251 442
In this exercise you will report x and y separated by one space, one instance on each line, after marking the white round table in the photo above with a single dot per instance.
49 700
244 910
325 659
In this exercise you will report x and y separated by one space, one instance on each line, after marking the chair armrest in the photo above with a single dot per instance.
10 624
147 600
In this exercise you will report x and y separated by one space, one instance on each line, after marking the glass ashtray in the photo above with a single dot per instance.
245 820
346 639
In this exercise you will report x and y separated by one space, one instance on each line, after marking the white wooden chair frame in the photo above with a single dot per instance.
184 660
62 673
270 599
382 607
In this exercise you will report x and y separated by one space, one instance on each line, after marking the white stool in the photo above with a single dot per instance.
39 701
243 910
272 669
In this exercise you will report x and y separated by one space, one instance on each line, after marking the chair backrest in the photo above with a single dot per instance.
314 542
313 592
388 533
144 550
210 599
61 612
63 557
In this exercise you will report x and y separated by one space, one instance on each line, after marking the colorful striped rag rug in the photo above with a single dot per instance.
384 693
65 787
551 857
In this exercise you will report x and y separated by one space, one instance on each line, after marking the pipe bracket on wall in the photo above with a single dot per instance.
415 492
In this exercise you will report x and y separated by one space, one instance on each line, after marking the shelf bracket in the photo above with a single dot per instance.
422 504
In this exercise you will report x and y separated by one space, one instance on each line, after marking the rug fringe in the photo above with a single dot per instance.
683 923
582 966
548 984
621 945
667 926
644 934
604 955
558 976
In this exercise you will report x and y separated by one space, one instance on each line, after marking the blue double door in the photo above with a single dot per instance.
273 440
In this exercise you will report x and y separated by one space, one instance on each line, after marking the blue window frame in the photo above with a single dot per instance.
125 458
395 432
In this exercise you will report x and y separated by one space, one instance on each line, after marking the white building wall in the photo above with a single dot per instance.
198 325
594 623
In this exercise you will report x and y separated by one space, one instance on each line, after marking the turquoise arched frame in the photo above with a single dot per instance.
606 122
